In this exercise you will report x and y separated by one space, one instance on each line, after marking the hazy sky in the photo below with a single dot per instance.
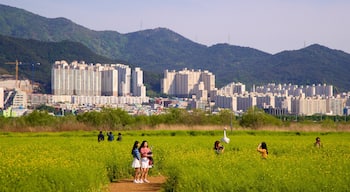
268 25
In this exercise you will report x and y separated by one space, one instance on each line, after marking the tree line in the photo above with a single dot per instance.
119 119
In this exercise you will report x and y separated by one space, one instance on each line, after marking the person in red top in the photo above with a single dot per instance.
145 153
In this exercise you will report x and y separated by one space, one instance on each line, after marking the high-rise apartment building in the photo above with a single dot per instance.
186 83
124 78
76 79
138 89
233 88
95 80
109 86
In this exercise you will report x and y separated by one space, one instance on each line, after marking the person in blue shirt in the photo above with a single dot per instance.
136 164
110 136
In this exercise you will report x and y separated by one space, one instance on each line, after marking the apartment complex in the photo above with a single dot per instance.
292 99
188 83
79 78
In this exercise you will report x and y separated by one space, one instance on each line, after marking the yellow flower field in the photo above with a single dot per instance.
75 161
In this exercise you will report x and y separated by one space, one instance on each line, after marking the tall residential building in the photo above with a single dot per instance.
109 83
168 82
95 80
335 106
187 83
75 79
233 88
295 90
138 89
124 78
308 106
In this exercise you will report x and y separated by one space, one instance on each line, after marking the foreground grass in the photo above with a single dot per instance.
75 161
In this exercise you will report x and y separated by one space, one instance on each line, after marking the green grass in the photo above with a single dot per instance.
75 161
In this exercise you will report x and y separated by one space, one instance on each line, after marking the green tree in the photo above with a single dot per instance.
255 118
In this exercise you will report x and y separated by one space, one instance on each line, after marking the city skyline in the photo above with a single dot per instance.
271 26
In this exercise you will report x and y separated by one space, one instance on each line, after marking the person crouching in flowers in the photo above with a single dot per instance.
318 142
136 164
218 147
262 148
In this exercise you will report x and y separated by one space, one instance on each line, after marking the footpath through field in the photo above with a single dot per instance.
127 185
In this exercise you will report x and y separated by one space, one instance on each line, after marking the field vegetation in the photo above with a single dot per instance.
75 161
41 152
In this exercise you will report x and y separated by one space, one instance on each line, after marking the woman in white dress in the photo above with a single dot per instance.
145 154
136 164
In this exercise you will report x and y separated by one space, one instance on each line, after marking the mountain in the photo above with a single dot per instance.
315 64
155 50
46 53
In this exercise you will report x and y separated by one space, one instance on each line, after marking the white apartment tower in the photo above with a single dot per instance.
138 89
95 80
186 83
76 79
124 77
109 85
168 83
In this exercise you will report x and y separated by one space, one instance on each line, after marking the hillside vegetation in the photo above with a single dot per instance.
159 49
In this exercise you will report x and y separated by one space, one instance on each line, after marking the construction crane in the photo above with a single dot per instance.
16 63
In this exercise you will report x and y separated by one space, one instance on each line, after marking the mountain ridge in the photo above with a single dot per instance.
158 49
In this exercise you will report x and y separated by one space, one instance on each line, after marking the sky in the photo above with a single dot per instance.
267 25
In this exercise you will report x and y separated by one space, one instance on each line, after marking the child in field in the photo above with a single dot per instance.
262 148
218 147
136 164
318 142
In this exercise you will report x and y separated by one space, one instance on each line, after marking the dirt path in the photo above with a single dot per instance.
127 185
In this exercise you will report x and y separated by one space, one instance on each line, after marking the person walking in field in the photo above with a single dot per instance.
262 148
136 163
100 137
218 147
318 143
145 154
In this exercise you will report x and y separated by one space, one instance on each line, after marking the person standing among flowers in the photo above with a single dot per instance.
136 163
145 154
